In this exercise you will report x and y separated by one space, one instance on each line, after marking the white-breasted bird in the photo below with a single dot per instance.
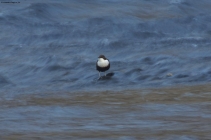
102 64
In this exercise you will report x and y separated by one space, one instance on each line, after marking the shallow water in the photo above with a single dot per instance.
169 113
159 51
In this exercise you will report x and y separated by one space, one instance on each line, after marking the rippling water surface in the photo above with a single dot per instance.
160 52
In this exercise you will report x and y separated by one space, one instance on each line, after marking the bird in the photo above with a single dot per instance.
102 64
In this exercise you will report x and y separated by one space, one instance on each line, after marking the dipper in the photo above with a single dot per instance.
102 64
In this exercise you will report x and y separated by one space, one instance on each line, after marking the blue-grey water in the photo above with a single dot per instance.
160 54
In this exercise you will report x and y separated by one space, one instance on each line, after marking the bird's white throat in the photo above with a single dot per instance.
102 63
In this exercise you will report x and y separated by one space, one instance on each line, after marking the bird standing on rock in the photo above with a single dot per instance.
102 64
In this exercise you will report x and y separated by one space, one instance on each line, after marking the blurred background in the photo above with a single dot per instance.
159 51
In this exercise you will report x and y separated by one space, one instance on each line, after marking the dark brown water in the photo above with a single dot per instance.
169 113
160 52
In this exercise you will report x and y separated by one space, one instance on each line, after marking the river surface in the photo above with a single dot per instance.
160 54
